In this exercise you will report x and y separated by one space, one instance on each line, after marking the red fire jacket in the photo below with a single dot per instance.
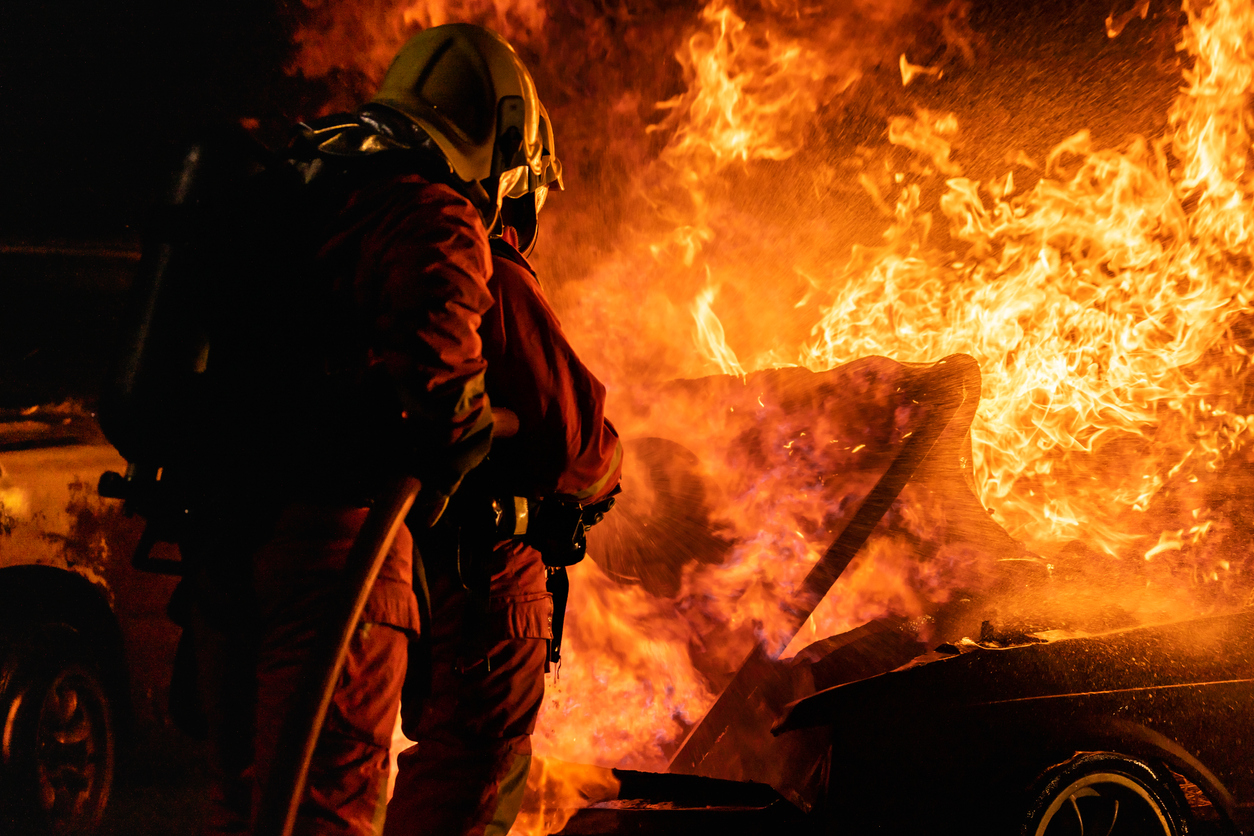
564 446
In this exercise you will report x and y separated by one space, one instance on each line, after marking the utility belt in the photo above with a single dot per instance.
555 527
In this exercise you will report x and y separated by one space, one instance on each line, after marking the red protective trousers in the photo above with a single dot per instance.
255 620
491 613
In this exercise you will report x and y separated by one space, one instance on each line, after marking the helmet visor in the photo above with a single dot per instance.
513 183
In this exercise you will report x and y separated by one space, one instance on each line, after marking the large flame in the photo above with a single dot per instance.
1103 290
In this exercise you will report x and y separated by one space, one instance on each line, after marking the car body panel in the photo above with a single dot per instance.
995 717
51 515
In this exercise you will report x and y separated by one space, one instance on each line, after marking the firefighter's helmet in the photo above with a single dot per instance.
521 206
469 91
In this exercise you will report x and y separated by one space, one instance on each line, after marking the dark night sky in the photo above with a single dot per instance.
91 93
94 100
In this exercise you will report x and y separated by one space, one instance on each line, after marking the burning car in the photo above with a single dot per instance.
1126 732
1027 705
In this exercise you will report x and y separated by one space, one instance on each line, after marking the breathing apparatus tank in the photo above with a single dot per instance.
196 382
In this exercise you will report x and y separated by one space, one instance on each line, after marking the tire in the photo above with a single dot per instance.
58 747
1106 793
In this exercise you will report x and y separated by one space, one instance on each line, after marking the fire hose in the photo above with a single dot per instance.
298 737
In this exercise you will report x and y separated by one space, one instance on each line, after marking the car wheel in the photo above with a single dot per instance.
1105 793
58 742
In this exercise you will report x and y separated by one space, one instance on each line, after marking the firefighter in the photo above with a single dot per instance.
412 183
492 614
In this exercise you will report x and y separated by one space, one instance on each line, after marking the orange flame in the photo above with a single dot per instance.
1100 303
1105 292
